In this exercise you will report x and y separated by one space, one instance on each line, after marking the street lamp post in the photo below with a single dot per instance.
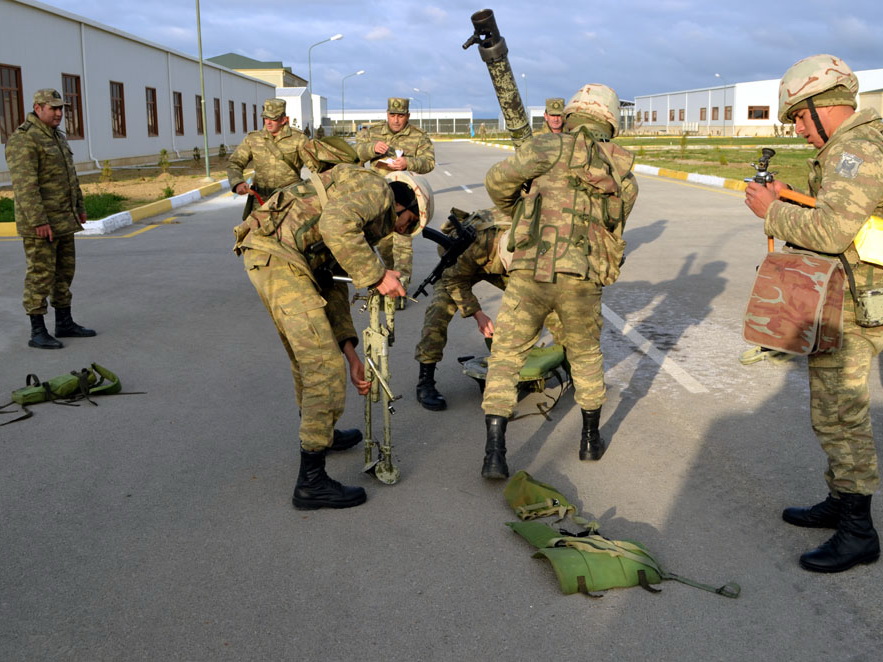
428 96
724 114
208 170
421 109
310 70
342 106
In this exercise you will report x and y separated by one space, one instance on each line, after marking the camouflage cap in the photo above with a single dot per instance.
598 101
331 151
397 106
273 109
811 77
555 106
48 96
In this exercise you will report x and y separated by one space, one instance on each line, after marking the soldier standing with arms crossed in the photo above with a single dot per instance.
567 241
48 211
377 146
818 95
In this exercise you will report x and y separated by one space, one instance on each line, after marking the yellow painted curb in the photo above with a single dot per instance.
150 209
8 230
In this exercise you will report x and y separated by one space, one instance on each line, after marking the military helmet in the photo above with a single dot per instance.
331 151
598 101
812 77
422 191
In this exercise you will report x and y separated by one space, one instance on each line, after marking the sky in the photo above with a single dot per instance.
635 46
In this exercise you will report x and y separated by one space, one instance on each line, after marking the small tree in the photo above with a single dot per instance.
163 162
106 173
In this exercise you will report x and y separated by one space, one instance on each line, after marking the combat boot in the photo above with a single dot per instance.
315 489
65 327
854 542
427 395
591 445
345 439
495 466
40 337
824 515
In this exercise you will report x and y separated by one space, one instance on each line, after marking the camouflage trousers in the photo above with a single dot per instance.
50 272
317 365
397 253
438 316
526 304
840 407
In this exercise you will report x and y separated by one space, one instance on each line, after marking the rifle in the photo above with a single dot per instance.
454 246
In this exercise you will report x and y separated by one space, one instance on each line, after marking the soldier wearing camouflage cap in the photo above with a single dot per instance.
277 152
818 94
378 146
553 116
566 249
292 246
48 211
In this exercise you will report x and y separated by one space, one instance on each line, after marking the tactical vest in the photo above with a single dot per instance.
553 230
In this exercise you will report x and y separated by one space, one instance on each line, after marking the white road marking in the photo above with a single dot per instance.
465 188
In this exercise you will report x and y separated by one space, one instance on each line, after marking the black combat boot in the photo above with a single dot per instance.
495 466
855 542
40 337
314 489
427 395
65 327
591 445
345 439
824 515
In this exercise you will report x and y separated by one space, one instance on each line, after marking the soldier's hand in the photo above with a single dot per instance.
759 197
241 188
82 218
400 163
485 324
45 232
380 147
390 285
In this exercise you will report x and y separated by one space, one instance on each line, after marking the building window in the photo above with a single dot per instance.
73 106
758 112
178 103
680 115
200 129
254 117
728 113
152 119
244 118
703 114
671 115
117 110
646 115
714 113
231 106
12 110
654 115
217 115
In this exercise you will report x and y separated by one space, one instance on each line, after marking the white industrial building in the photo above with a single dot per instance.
737 109
129 98
437 120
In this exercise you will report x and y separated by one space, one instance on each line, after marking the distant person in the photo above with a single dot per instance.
378 146
553 116
818 94
48 211
277 152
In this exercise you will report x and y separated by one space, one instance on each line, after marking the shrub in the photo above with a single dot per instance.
99 205
163 162
106 173
168 192
7 214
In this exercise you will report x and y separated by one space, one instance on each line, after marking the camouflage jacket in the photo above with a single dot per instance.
846 178
295 225
277 160
414 143
481 261
44 179
581 194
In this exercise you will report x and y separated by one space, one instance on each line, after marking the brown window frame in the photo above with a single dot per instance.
680 114
117 109
231 107
254 117
12 106
200 127
728 113
715 113
73 107
244 118
671 114
178 105
703 114
217 115
654 115
763 112
152 114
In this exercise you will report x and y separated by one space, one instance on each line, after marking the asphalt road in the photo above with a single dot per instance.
159 526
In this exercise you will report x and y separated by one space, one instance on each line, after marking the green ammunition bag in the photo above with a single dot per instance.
530 498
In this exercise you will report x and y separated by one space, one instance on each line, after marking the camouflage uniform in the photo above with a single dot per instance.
278 159
846 177
47 191
416 146
290 269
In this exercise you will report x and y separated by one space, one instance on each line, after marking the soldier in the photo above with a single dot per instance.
291 247
277 152
48 211
818 94
553 116
378 146
565 251
486 259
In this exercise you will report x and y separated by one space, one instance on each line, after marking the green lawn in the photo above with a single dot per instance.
97 205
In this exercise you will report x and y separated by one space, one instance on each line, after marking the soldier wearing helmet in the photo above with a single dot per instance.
292 246
818 94
567 245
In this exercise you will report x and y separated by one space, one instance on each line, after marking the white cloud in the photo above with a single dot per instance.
379 34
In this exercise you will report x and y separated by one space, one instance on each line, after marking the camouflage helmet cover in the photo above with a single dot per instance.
812 76
596 100
422 190
330 151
